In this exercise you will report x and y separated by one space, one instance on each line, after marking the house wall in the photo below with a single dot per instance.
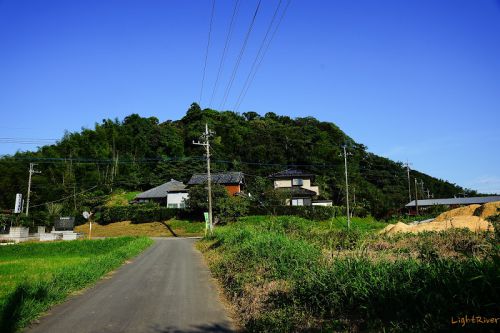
233 189
176 199
279 183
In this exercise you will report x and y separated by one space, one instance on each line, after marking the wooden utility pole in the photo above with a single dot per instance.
408 173
416 195
205 141
31 172
346 188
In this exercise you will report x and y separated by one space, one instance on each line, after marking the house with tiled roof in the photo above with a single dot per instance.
233 181
173 194
299 186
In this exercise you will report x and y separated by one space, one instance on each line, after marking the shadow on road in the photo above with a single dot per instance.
212 328
169 229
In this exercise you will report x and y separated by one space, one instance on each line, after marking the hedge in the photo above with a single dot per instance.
137 214
318 213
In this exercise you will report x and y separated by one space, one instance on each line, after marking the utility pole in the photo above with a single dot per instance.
205 141
31 172
347 188
408 172
422 187
416 195
428 194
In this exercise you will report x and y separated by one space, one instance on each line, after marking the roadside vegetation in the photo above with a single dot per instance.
288 274
35 276
169 228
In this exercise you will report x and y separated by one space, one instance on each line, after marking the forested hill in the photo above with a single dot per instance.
138 153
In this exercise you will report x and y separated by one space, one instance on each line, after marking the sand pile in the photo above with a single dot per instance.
461 211
488 209
472 217
473 223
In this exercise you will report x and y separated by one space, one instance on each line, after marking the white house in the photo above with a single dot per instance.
172 194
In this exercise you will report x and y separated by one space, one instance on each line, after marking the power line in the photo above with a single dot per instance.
103 161
258 53
208 46
228 38
69 196
240 56
264 54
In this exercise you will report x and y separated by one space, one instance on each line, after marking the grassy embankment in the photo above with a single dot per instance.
120 198
35 276
170 228
288 274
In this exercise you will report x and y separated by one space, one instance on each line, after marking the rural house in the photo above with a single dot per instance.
233 181
172 194
299 184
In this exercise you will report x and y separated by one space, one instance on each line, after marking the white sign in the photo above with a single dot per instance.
86 215
18 208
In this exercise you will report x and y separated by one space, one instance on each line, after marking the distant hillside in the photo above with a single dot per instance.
138 153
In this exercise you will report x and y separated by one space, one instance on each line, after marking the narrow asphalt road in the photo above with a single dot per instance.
166 289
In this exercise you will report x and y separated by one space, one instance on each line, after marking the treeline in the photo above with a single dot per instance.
139 153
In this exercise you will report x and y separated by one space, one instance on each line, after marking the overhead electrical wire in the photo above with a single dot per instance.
254 63
228 39
264 54
206 53
240 56
26 141
67 197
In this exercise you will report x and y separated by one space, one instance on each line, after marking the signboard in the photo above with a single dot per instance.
64 223
18 208
86 215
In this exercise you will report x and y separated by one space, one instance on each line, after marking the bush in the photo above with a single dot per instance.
318 213
137 214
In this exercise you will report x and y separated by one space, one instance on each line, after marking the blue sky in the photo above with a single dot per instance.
415 79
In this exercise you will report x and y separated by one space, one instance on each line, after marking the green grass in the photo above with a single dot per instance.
288 274
187 228
120 198
35 276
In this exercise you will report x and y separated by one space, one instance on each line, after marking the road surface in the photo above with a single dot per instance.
166 289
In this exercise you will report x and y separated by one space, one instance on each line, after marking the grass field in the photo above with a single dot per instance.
170 228
35 276
287 274
120 198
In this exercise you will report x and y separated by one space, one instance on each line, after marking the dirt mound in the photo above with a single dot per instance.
461 211
488 209
473 223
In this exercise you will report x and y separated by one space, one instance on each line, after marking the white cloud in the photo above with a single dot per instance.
485 184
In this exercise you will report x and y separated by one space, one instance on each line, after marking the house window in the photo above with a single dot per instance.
297 182
297 202
172 205
182 205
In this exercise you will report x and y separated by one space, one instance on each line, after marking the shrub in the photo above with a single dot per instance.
137 214
318 213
